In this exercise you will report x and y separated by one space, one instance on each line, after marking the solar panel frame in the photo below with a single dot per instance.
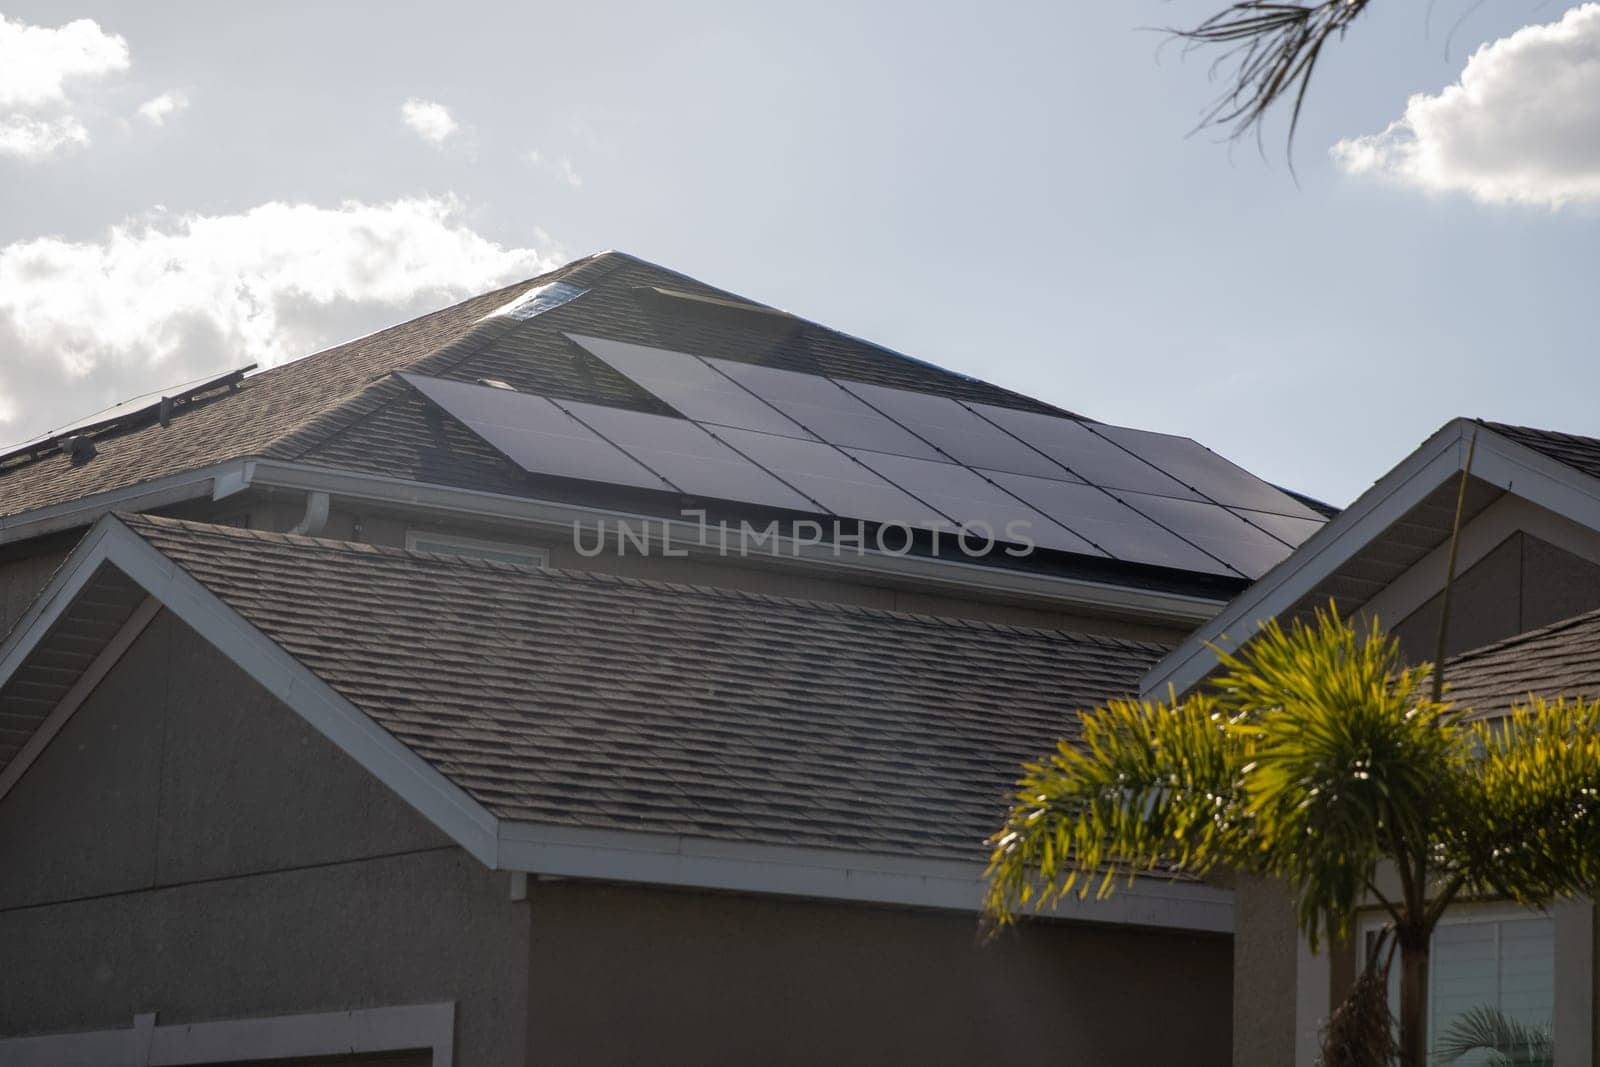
967 497
1094 459
690 386
1246 548
828 410
126 409
689 457
1113 526
1204 471
1291 530
536 434
956 431
842 485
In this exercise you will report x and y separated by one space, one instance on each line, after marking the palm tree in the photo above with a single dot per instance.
1316 758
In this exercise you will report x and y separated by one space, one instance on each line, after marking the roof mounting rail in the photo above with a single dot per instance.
74 437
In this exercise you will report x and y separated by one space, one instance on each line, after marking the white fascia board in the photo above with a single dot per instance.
832 874
1496 460
380 752
146 496
1056 592
1323 553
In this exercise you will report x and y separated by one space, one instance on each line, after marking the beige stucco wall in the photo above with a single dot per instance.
705 978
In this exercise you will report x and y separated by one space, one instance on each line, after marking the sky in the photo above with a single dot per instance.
1014 192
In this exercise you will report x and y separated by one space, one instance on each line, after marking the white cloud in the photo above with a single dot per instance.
560 166
429 120
31 138
157 110
1522 125
86 323
36 65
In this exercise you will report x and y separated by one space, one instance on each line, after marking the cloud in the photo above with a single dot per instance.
1522 125
561 167
429 120
36 65
31 138
162 300
157 110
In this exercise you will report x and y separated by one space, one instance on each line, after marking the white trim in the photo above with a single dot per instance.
1313 994
223 480
529 555
46 731
380 752
1509 515
1573 963
1497 460
416 1027
832 874
559 518
659 859
217 481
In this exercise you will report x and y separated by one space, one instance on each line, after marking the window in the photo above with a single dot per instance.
1496 957
453 545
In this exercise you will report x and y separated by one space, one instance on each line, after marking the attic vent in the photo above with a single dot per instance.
537 301
496 383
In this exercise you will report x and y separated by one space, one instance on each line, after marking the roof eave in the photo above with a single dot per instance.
1497 460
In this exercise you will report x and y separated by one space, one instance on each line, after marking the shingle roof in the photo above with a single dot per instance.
585 699
342 408
1577 452
1560 659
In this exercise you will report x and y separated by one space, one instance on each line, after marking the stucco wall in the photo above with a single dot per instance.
1524 583
188 846
705 978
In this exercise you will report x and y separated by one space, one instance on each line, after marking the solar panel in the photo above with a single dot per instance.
1197 466
1286 528
688 457
690 387
1112 525
126 409
534 433
831 478
974 501
828 411
1215 529
1091 457
955 430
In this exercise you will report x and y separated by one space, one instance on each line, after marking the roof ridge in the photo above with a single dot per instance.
469 563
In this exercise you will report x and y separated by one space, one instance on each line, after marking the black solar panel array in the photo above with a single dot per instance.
805 443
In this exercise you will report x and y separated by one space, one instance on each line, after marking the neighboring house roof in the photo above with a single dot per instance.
1562 659
1401 523
526 711
341 408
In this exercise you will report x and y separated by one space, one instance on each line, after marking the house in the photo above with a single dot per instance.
1522 621
606 669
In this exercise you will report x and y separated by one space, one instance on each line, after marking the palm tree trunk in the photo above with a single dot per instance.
1414 1000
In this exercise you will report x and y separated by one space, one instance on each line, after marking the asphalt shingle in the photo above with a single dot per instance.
585 699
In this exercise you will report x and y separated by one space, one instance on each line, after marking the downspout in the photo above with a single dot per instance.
316 516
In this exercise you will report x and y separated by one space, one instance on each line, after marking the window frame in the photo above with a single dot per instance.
1467 913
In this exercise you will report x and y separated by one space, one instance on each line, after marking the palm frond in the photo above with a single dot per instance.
1147 786
1526 821
1350 758
1274 48
1511 1043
